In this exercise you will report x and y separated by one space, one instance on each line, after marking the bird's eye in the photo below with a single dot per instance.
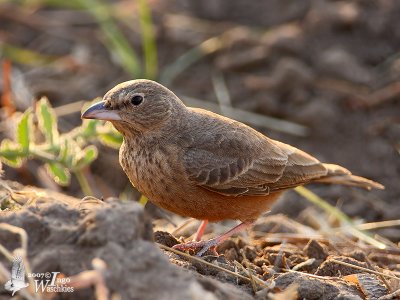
136 100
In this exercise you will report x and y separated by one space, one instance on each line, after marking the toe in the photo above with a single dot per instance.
210 245
189 246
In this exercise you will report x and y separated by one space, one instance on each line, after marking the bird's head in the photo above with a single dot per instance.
136 106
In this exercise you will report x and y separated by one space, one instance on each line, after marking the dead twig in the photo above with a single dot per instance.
22 251
364 269
308 262
6 100
92 277
250 117
260 282
392 296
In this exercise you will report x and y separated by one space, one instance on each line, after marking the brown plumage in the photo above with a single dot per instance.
199 164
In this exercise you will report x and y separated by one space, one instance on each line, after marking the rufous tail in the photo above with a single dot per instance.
339 175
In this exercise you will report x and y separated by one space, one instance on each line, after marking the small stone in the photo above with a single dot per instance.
316 250
165 238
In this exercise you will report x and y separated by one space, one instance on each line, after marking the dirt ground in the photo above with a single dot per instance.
331 66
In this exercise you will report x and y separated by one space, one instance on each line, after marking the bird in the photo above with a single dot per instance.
17 281
199 164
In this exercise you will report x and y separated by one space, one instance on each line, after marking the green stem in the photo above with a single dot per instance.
38 153
318 201
148 40
84 183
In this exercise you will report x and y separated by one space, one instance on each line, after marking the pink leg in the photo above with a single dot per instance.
211 244
200 230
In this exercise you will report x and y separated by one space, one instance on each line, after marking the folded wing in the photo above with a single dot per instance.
243 162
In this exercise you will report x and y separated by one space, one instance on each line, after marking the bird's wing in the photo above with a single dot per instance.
300 168
233 159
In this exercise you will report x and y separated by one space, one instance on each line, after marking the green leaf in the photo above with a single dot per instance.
59 173
24 56
11 153
64 151
88 128
109 136
86 157
47 120
111 140
67 152
23 131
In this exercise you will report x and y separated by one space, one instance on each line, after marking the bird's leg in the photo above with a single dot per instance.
200 230
212 244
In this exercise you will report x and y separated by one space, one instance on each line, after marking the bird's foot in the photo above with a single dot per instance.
204 246
200 247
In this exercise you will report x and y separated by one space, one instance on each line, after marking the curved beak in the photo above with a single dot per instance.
100 112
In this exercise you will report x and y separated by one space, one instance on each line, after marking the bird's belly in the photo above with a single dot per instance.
172 193
166 187
206 205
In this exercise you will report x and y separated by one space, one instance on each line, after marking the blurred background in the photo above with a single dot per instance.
320 75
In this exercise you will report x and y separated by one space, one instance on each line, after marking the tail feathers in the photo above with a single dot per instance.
339 175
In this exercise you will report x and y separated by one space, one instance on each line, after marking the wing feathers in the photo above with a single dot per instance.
231 158
284 168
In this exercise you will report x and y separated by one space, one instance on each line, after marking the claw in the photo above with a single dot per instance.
203 246
209 245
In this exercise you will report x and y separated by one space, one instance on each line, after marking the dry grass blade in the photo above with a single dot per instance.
331 210
221 91
250 117
312 275
6 101
17 230
6 253
364 269
248 271
280 258
94 277
377 225
393 296
290 237
69 108
183 62
182 226
308 262
19 252
18 197
383 279
260 282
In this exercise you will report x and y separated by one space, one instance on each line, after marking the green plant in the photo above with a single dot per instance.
63 154
113 37
118 44
340 216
